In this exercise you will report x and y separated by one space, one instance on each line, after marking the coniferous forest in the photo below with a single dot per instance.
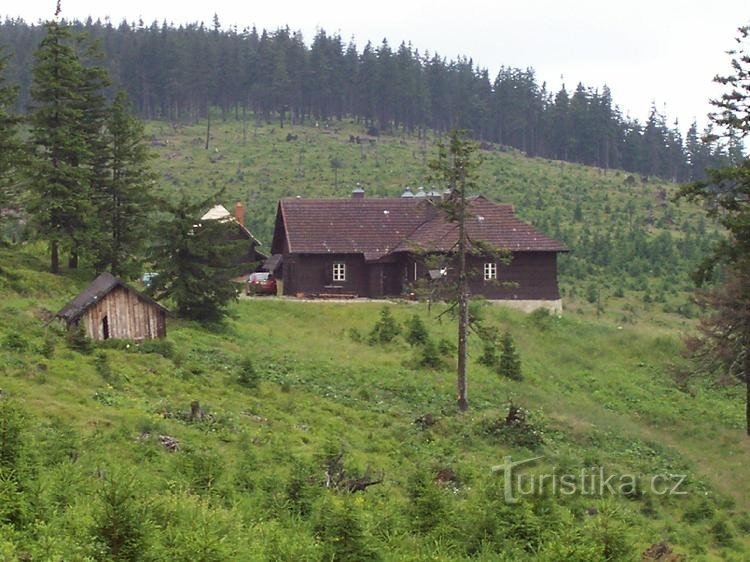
177 73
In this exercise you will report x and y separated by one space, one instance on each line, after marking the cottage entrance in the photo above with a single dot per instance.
391 279
105 328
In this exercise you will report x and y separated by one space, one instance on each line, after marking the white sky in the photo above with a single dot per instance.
662 51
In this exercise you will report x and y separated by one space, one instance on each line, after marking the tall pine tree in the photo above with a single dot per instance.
10 146
59 199
195 262
123 200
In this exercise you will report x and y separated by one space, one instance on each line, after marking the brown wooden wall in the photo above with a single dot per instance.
533 275
129 317
529 276
312 274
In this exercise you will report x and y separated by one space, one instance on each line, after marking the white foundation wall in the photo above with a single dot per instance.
554 306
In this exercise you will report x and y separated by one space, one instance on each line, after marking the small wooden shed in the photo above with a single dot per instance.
111 309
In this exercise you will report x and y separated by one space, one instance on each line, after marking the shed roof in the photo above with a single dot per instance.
98 289
376 226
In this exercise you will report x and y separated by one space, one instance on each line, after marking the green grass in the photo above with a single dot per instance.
246 482
600 392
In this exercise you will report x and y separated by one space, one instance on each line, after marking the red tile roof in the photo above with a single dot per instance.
377 226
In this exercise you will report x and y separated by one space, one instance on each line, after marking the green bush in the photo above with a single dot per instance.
385 330
121 526
489 357
723 533
248 376
161 347
447 347
48 348
15 341
517 428
429 355
341 533
104 368
12 424
510 363
77 340
416 331
427 506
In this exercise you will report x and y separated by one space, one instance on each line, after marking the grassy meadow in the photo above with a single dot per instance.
246 482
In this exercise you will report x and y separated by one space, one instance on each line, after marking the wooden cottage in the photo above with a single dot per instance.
376 247
252 257
111 309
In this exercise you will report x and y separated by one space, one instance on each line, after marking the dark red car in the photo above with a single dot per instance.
260 284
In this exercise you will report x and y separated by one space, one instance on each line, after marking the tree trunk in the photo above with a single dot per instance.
746 368
54 266
463 304
73 260
208 127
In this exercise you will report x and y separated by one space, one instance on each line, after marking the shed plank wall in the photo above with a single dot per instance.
128 316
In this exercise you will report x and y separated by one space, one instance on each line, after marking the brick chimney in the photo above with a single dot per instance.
239 212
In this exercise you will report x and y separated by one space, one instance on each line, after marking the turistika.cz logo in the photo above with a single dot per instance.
590 481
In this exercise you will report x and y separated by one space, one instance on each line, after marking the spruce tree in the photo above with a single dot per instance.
456 166
59 199
10 146
416 331
123 199
510 362
196 261
94 116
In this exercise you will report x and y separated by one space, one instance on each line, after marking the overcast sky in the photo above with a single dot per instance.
660 51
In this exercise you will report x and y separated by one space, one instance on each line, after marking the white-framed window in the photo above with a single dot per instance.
339 272
490 271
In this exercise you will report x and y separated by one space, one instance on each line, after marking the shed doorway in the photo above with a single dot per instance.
105 328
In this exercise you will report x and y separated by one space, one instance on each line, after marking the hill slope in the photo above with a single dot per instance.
628 237
247 480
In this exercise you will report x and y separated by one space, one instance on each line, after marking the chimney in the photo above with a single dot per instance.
358 192
239 212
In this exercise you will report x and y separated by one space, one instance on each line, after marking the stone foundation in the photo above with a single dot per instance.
555 307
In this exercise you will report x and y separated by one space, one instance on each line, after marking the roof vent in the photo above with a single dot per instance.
420 192
407 192
358 192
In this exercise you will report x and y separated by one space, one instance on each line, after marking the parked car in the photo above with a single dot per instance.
260 284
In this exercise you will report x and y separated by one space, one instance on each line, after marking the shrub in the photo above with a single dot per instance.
510 363
516 428
385 330
426 507
447 347
48 348
160 347
700 512
203 468
429 356
248 376
416 332
341 533
15 342
12 424
489 356
356 336
104 369
77 340
121 525
540 318
300 491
